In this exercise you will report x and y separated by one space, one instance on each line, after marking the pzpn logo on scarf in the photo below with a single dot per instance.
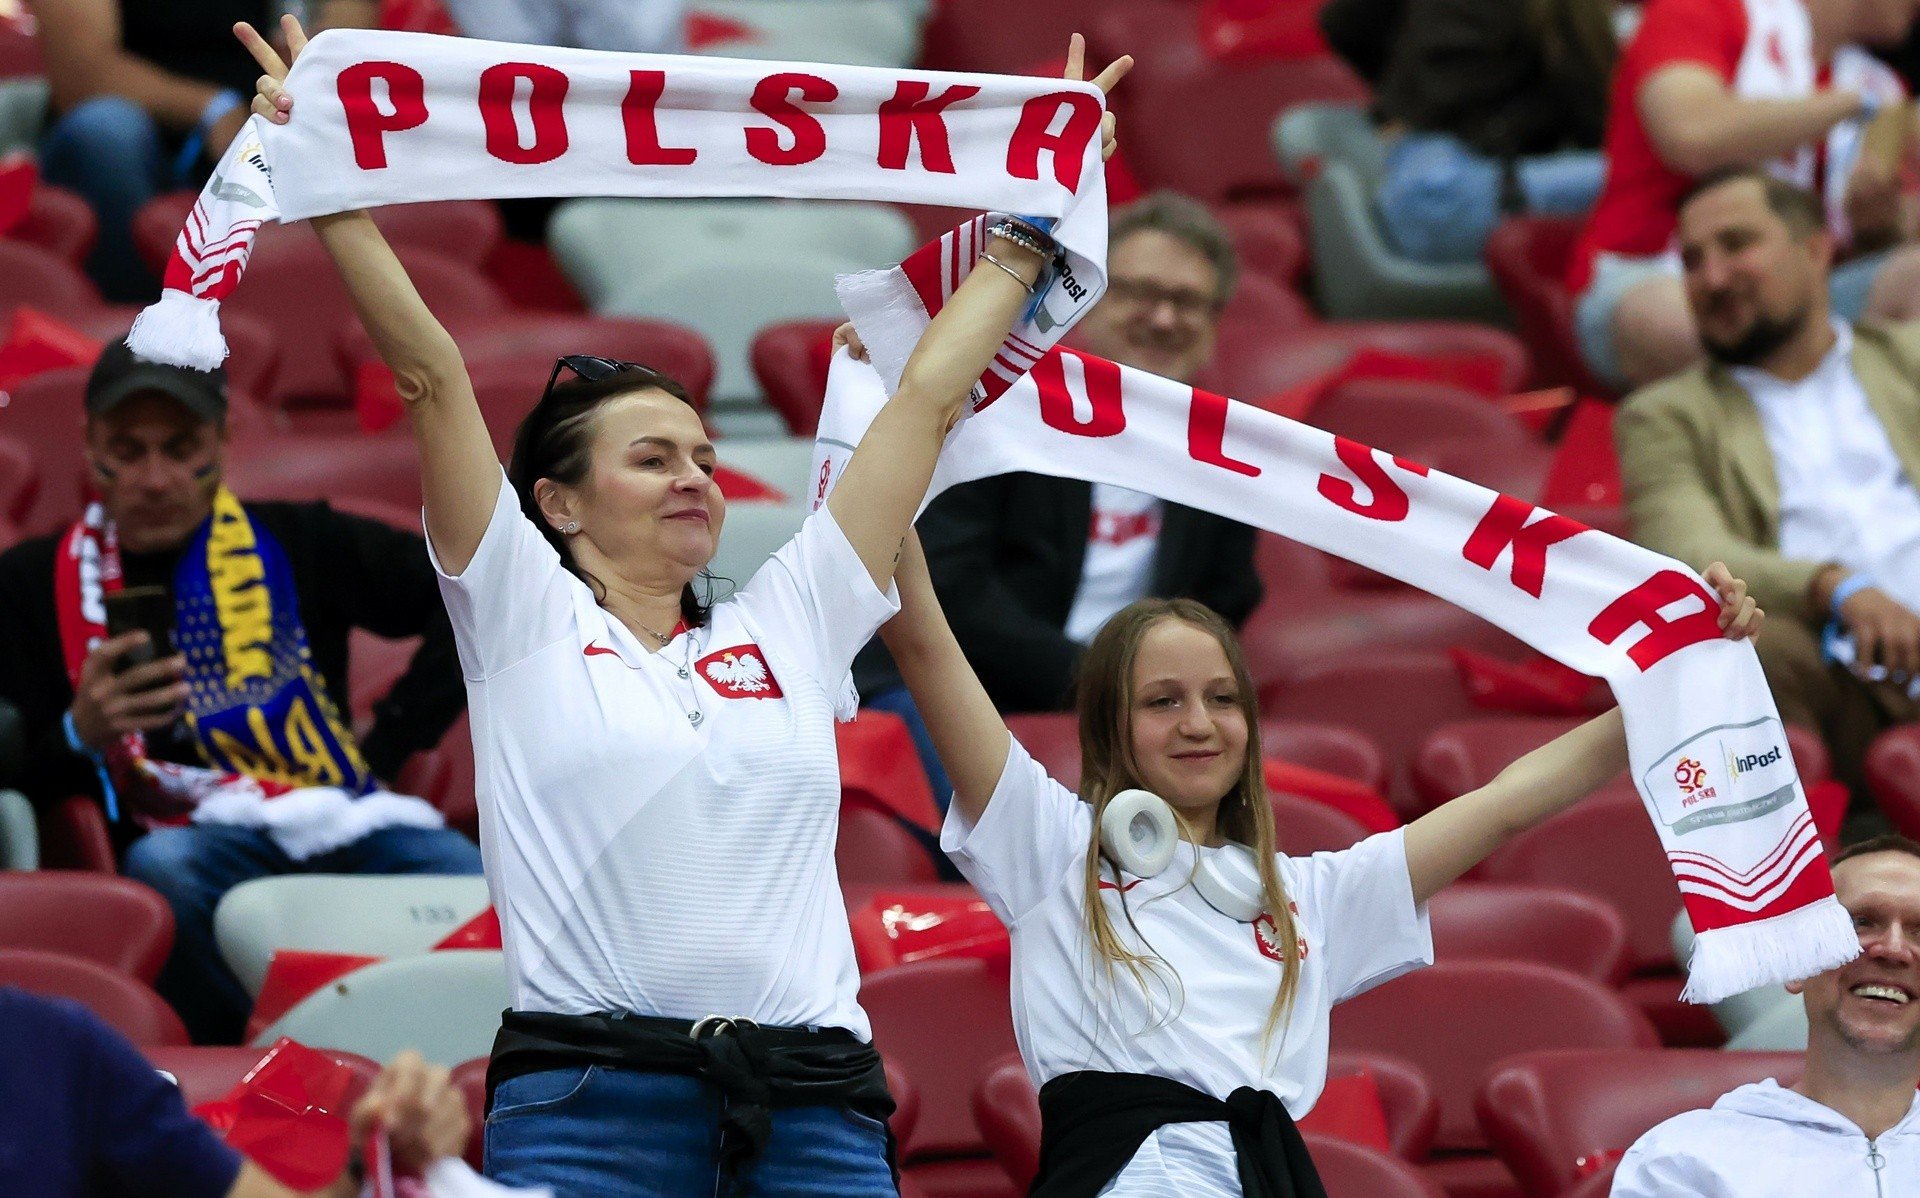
740 673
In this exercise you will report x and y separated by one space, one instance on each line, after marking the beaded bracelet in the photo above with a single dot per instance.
1024 235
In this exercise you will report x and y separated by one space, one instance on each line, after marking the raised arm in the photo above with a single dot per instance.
460 474
1456 836
876 498
967 732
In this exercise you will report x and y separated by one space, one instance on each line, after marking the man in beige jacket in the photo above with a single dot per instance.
1790 454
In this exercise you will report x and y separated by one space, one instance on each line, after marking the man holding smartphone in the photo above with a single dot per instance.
217 739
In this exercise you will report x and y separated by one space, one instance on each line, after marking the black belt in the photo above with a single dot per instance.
755 1068
1092 1124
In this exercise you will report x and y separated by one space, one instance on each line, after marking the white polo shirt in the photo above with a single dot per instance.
658 828
1123 537
1357 919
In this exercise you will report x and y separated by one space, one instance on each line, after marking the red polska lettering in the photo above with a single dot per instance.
1387 499
913 114
643 133
1641 607
1101 379
546 97
1068 146
773 98
367 126
1505 526
1207 434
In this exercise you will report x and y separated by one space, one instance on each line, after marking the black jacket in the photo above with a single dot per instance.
1005 554
348 571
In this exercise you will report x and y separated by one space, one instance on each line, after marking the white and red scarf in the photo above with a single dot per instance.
1709 753
384 118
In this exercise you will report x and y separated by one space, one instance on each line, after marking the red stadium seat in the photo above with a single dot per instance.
1053 738
1493 920
292 285
19 480
1335 748
1551 1115
464 229
790 363
314 465
1528 256
74 836
253 354
1598 1184
1455 1019
1348 1170
1303 827
941 1021
1893 775
1406 1098
1001 36
1261 307
32 275
374 664
1179 79
880 768
122 1002
1266 363
1393 698
517 349
1007 1110
875 849
1516 468
111 921
470 1078
208 1073
1408 417
395 516
1269 239
60 222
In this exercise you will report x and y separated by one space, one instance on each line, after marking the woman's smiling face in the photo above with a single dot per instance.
1188 718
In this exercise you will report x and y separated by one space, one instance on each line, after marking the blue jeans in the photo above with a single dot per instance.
600 1132
1439 199
112 152
192 867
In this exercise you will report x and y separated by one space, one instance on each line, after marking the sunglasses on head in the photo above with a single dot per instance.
593 368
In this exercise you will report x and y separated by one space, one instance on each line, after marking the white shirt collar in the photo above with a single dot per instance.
1757 380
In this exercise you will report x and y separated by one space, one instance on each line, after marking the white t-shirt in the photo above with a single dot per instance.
1844 496
1357 919
1766 1141
658 828
1123 534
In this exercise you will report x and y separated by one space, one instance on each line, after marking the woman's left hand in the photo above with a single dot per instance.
1740 616
848 336
1105 81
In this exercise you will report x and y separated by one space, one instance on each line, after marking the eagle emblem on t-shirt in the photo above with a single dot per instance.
740 673
1266 935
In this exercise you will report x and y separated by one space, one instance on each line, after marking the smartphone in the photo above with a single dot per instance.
141 609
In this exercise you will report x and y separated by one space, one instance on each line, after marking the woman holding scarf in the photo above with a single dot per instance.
657 774
1173 989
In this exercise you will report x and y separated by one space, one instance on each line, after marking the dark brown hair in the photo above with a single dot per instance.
1886 842
1186 220
555 441
1792 203
1107 767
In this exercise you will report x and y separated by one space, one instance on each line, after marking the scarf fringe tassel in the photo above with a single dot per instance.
1730 960
179 330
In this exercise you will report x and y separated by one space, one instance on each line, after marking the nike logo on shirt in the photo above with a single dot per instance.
593 650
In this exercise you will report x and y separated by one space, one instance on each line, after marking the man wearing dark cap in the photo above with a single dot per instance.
226 755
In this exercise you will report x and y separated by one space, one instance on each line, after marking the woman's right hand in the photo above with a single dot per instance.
270 99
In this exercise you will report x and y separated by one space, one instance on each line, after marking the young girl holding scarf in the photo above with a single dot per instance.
657 776
1175 1014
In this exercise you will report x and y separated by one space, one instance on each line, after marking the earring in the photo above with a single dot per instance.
570 527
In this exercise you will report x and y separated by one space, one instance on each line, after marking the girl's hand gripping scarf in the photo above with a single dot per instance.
1709 754
385 118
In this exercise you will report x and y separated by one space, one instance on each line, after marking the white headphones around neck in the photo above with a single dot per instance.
1139 833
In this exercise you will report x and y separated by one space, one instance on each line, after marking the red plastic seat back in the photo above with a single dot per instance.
19 479
1528 258
1393 698
1893 774
1406 1097
1303 827
42 278
1546 924
789 361
941 1022
1410 417
1007 1109
60 222
1269 238
1268 363
1335 748
1053 739
322 465
111 921
465 229
874 849
470 1078
121 1001
1551 1114
205 1073
1454 1020
880 768
1350 1171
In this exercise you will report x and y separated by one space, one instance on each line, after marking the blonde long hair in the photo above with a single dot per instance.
1107 767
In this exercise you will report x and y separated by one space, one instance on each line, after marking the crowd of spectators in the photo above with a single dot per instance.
1746 278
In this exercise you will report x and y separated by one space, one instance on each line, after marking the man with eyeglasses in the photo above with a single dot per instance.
225 755
1029 567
